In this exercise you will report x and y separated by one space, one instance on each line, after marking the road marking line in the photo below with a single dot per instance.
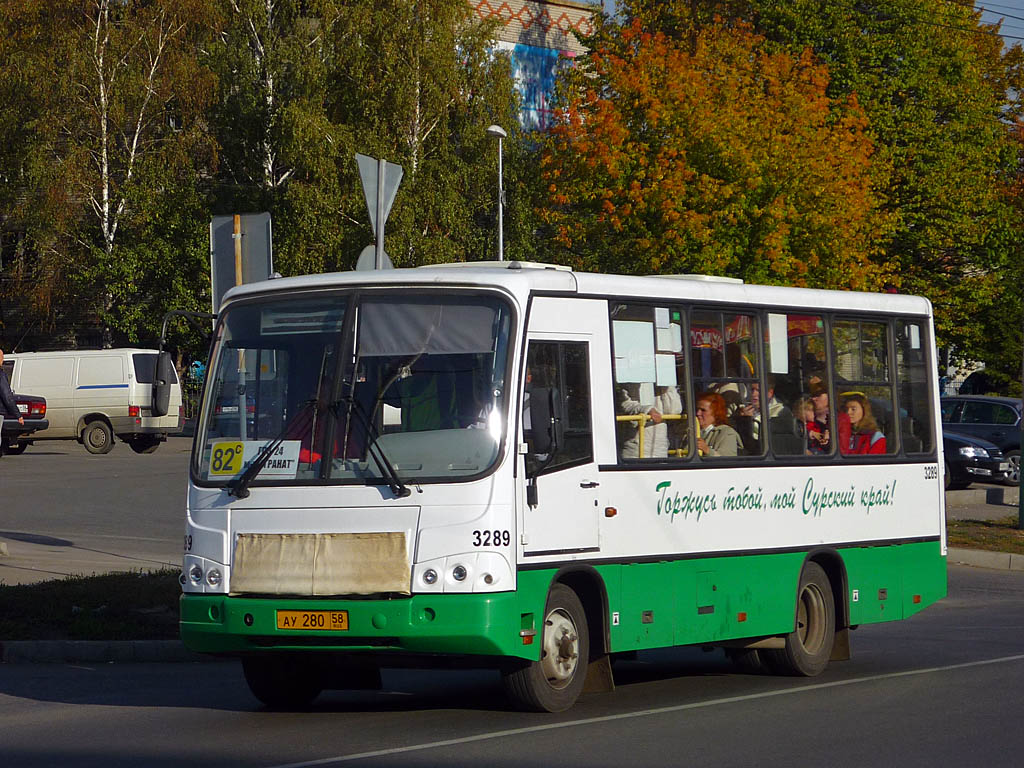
642 713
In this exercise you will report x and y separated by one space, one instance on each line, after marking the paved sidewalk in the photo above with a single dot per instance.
982 502
27 558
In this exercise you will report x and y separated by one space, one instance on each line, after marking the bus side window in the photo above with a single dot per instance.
794 354
916 429
563 368
865 415
647 352
723 359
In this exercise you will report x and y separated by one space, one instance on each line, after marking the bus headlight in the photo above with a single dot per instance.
214 577
464 572
195 575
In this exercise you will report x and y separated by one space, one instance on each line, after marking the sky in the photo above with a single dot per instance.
1012 14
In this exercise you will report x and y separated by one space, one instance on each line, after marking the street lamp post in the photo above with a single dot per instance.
497 132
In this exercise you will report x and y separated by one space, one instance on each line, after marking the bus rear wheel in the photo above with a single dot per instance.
809 646
281 682
554 683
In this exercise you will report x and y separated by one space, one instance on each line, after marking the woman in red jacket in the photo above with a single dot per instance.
865 436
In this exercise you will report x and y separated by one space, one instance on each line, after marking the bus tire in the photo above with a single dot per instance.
555 682
281 682
809 646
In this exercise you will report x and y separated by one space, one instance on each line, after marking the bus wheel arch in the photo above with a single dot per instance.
555 681
808 647
832 563
590 589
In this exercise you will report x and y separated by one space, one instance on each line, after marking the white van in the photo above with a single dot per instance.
92 395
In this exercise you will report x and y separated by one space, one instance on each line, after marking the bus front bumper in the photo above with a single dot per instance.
472 624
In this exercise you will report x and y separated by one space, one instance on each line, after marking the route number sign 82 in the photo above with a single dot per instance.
226 458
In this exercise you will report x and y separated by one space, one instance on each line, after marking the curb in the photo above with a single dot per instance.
1000 496
97 651
980 558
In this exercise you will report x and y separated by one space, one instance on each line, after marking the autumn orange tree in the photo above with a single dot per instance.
941 91
712 155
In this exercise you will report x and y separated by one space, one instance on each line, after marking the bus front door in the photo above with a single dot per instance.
561 510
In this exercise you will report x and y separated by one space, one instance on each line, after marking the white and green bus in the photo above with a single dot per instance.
521 467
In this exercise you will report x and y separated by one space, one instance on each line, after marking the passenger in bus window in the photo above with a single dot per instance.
816 431
865 437
655 402
716 437
747 418
819 397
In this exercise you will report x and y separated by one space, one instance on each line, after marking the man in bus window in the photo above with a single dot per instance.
747 418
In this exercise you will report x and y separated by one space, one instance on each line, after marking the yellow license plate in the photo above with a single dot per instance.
226 458
331 621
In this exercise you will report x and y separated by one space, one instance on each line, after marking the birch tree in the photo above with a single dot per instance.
117 129
307 85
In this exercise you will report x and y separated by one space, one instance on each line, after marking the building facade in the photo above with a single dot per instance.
540 37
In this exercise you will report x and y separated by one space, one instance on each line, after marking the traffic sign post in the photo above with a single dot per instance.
380 185
241 251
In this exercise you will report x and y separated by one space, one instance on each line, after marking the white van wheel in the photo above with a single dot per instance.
97 437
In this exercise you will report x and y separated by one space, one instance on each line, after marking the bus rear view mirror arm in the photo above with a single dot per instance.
548 419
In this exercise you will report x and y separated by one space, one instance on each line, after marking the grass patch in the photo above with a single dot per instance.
115 606
998 535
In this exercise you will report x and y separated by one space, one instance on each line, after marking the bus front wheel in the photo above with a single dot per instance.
554 683
281 682
809 646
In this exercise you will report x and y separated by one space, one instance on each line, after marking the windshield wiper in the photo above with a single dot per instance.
386 468
239 487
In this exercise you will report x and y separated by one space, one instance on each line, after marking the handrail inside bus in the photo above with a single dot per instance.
644 418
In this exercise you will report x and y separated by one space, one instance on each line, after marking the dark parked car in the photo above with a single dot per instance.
15 437
970 458
996 419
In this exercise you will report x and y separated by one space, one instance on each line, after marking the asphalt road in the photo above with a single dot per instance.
942 688
64 511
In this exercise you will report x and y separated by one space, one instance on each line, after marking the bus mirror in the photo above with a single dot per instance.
162 379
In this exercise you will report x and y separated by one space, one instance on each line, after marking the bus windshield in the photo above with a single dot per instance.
357 389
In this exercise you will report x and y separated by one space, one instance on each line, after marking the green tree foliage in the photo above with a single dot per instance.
131 123
713 155
1002 319
939 92
112 132
413 82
